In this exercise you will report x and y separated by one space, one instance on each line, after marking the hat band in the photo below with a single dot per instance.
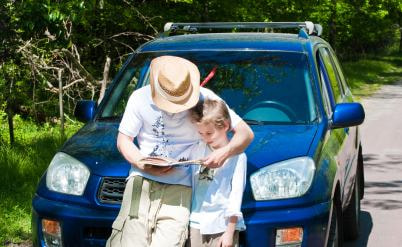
167 96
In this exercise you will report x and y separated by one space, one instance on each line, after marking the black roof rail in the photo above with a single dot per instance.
193 27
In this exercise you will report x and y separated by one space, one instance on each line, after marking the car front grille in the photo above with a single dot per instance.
111 190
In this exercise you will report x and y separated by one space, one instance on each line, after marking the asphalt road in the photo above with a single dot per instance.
381 208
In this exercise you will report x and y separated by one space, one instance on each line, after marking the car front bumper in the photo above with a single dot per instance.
80 226
262 225
86 226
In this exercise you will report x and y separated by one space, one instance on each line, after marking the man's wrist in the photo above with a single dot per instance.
137 163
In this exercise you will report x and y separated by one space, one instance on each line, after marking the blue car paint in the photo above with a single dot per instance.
349 113
89 112
253 41
94 145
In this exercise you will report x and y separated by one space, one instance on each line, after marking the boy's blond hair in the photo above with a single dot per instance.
210 111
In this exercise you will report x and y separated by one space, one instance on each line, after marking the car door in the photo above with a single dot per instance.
344 155
352 144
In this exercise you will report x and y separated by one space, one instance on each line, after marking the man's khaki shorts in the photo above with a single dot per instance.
160 219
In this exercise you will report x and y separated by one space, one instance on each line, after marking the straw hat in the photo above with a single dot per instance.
175 83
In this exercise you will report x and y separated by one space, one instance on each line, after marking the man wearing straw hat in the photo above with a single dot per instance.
157 200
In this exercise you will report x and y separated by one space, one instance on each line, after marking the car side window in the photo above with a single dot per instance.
324 91
331 75
340 72
325 96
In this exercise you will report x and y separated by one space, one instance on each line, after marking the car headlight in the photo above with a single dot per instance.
67 175
286 179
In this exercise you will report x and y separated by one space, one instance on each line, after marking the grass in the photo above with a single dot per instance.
367 75
23 164
21 167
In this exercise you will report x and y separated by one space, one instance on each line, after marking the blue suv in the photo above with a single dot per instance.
305 166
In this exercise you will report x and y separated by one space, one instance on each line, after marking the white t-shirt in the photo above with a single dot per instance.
217 193
163 134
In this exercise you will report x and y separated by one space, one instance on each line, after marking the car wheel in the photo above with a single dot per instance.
352 213
361 172
335 238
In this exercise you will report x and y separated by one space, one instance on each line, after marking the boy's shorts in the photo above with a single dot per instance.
159 218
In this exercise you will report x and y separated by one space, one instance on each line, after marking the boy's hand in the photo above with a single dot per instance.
217 157
226 240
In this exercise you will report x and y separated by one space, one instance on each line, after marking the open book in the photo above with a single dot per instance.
162 161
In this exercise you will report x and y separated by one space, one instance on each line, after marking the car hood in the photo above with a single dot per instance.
95 146
274 143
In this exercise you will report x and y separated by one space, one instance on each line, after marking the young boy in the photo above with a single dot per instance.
215 218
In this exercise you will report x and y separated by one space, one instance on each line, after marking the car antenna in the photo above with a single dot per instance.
209 76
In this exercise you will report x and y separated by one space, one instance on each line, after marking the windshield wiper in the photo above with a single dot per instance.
109 118
254 122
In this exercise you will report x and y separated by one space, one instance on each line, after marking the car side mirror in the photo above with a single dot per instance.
347 115
85 110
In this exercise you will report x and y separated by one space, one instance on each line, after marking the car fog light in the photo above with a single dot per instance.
51 233
289 237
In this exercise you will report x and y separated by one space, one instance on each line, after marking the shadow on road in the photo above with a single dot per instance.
385 194
375 161
366 225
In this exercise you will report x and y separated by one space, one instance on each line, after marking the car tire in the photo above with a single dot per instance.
351 215
360 167
335 237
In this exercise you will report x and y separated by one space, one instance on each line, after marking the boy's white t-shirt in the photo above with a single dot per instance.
217 196
160 133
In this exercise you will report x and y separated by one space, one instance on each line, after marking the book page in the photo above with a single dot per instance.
162 161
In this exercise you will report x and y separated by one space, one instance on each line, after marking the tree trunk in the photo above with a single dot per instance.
10 113
205 11
332 25
400 40
105 79
60 71
10 125
400 31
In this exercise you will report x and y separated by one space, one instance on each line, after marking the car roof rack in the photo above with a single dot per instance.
306 28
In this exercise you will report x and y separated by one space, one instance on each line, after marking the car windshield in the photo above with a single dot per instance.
263 87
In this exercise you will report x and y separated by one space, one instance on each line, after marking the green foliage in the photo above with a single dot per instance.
24 164
367 75
101 28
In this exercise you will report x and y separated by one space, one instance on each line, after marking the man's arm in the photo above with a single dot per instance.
132 154
243 135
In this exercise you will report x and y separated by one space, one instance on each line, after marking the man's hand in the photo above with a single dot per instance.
217 157
242 137
157 170
154 170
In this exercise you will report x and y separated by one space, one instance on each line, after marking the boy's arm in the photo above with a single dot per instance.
242 137
238 184
235 199
132 154
226 239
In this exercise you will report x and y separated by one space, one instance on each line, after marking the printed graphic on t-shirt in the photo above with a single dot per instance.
158 130
206 173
